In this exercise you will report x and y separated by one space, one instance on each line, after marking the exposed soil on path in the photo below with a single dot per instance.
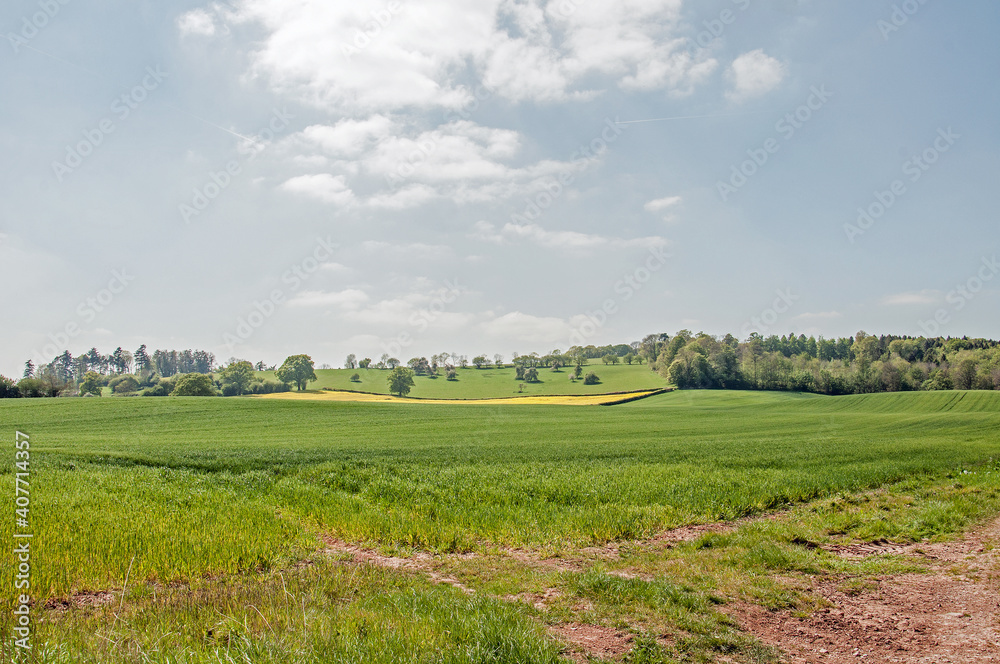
949 614
421 562
594 641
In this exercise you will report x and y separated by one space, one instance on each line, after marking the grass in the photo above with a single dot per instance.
206 505
475 383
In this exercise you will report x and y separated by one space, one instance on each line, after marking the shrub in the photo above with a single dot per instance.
125 385
356 378
273 386
33 388
452 374
268 387
591 379
91 384
159 390
195 385
8 389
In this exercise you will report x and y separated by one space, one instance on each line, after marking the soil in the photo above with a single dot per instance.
949 614
594 640
80 601
422 562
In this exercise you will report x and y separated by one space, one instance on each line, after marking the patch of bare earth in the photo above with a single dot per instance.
949 614
585 557
80 601
593 641
420 562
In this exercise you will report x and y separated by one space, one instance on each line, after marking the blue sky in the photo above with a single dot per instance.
260 178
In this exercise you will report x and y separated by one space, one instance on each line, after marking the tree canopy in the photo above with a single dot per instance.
298 370
195 385
400 381
238 375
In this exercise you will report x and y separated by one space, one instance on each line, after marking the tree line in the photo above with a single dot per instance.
160 373
859 364
862 363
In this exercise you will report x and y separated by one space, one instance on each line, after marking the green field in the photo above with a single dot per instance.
475 383
206 507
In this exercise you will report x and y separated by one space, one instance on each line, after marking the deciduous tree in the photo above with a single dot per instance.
400 381
297 370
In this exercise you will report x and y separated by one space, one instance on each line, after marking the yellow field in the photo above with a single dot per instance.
565 400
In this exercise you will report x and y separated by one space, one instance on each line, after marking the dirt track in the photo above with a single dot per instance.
950 614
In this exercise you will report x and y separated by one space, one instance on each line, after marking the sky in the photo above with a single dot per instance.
260 178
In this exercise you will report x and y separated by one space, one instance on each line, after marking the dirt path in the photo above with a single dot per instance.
950 614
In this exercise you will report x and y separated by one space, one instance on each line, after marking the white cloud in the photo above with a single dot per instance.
196 22
913 297
338 57
753 74
390 166
525 328
567 240
662 203
348 138
822 315
416 250
411 196
323 186
351 298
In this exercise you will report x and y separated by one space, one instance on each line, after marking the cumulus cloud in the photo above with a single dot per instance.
662 203
196 22
818 316
414 250
371 56
347 138
912 297
323 186
350 298
526 328
753 74
566 240
385 164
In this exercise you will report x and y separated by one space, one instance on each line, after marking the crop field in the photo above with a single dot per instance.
475 383
298 530
542 399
